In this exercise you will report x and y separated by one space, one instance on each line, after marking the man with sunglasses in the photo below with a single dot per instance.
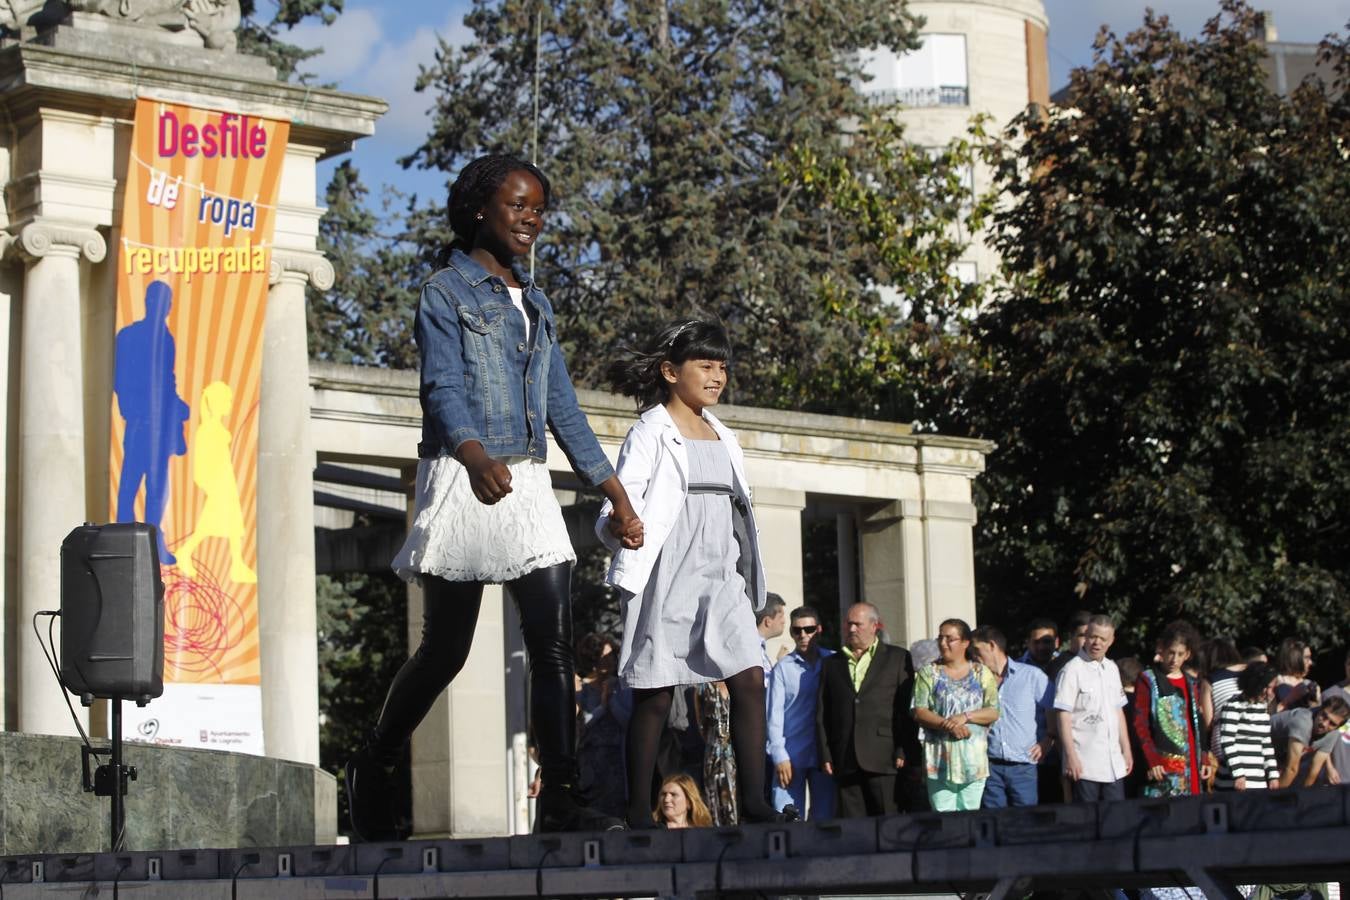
793 685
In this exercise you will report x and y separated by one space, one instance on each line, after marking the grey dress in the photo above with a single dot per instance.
694 623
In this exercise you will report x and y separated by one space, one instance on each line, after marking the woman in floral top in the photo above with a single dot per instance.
955 701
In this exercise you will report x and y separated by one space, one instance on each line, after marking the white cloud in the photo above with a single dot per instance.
347 45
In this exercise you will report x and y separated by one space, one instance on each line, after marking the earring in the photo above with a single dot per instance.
479 217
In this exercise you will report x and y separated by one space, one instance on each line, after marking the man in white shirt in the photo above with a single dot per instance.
1090 708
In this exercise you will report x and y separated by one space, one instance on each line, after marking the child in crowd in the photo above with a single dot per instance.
1246 750
1167 718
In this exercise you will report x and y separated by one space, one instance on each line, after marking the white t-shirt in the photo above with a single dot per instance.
1091 692
518 301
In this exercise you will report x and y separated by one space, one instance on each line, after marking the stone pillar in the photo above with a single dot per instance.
778 514
459 768
287 633
894 569
948 533
51 445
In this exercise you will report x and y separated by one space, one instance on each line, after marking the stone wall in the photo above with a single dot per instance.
181 799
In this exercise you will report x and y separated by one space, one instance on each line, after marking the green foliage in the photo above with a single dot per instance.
661 126
367 316
1169 363
902 216
261 36
363 640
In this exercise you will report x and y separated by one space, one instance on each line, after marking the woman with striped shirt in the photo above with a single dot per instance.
1246 749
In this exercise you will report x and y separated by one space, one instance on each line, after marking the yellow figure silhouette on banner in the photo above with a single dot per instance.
213 472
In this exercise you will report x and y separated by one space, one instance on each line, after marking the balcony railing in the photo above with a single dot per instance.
916 97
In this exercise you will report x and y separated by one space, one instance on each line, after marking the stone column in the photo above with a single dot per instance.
778 514
894 569
459 770
948 532
286 615
51 445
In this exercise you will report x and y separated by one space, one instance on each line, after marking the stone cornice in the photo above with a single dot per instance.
930 453
315 269
319 117
41 238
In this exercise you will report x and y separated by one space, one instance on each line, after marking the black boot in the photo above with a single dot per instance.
559 809
371 793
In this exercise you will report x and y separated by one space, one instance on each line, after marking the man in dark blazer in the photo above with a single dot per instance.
863 727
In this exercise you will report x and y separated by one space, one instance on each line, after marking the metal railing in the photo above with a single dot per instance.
918 97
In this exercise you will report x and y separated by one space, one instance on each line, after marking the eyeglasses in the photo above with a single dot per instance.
804 629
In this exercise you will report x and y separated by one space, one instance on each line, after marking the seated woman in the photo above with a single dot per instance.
678 804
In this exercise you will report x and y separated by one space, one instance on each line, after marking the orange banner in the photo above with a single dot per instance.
192 267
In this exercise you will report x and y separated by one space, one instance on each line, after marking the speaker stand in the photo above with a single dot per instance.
110 780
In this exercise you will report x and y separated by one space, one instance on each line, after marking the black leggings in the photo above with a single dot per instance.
650 708
450 614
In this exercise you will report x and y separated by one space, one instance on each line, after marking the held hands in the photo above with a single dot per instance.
625 525
785 773
489 478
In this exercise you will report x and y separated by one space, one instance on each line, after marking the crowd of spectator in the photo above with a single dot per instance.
965 720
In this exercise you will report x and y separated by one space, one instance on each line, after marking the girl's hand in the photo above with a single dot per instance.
1156 773
1206 771
489 478
1240 784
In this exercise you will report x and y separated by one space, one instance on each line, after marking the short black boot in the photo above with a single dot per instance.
559 809
371 793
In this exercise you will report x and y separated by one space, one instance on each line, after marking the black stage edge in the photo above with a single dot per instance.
1213 842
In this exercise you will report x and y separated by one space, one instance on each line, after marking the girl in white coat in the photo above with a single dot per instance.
691 590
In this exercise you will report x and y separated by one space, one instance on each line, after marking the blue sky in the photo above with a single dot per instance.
376 47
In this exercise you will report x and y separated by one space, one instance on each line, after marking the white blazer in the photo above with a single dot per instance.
654 468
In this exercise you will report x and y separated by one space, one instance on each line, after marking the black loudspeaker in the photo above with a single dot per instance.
112 613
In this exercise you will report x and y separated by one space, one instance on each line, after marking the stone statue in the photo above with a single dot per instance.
214 20
14 14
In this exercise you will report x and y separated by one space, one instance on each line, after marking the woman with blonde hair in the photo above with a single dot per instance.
679 805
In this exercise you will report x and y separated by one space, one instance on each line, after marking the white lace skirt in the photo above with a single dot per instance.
455 537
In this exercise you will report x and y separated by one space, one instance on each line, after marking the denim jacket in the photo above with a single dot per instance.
482 381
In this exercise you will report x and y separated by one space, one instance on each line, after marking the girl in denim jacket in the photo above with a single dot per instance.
690 592
492 377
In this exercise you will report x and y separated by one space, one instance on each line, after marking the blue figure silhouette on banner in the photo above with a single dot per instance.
147 396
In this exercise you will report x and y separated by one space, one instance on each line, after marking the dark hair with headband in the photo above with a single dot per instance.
638 374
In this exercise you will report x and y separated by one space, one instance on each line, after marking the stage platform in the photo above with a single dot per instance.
1213 842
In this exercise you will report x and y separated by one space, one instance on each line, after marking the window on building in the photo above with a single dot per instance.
933 75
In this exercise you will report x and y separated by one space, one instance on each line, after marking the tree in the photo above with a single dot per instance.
262 37
909 212
660 125
366 317
1169 378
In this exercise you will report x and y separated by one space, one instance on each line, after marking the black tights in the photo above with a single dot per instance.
651 706
450 614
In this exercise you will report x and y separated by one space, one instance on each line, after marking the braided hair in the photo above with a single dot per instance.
638 374
474 187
